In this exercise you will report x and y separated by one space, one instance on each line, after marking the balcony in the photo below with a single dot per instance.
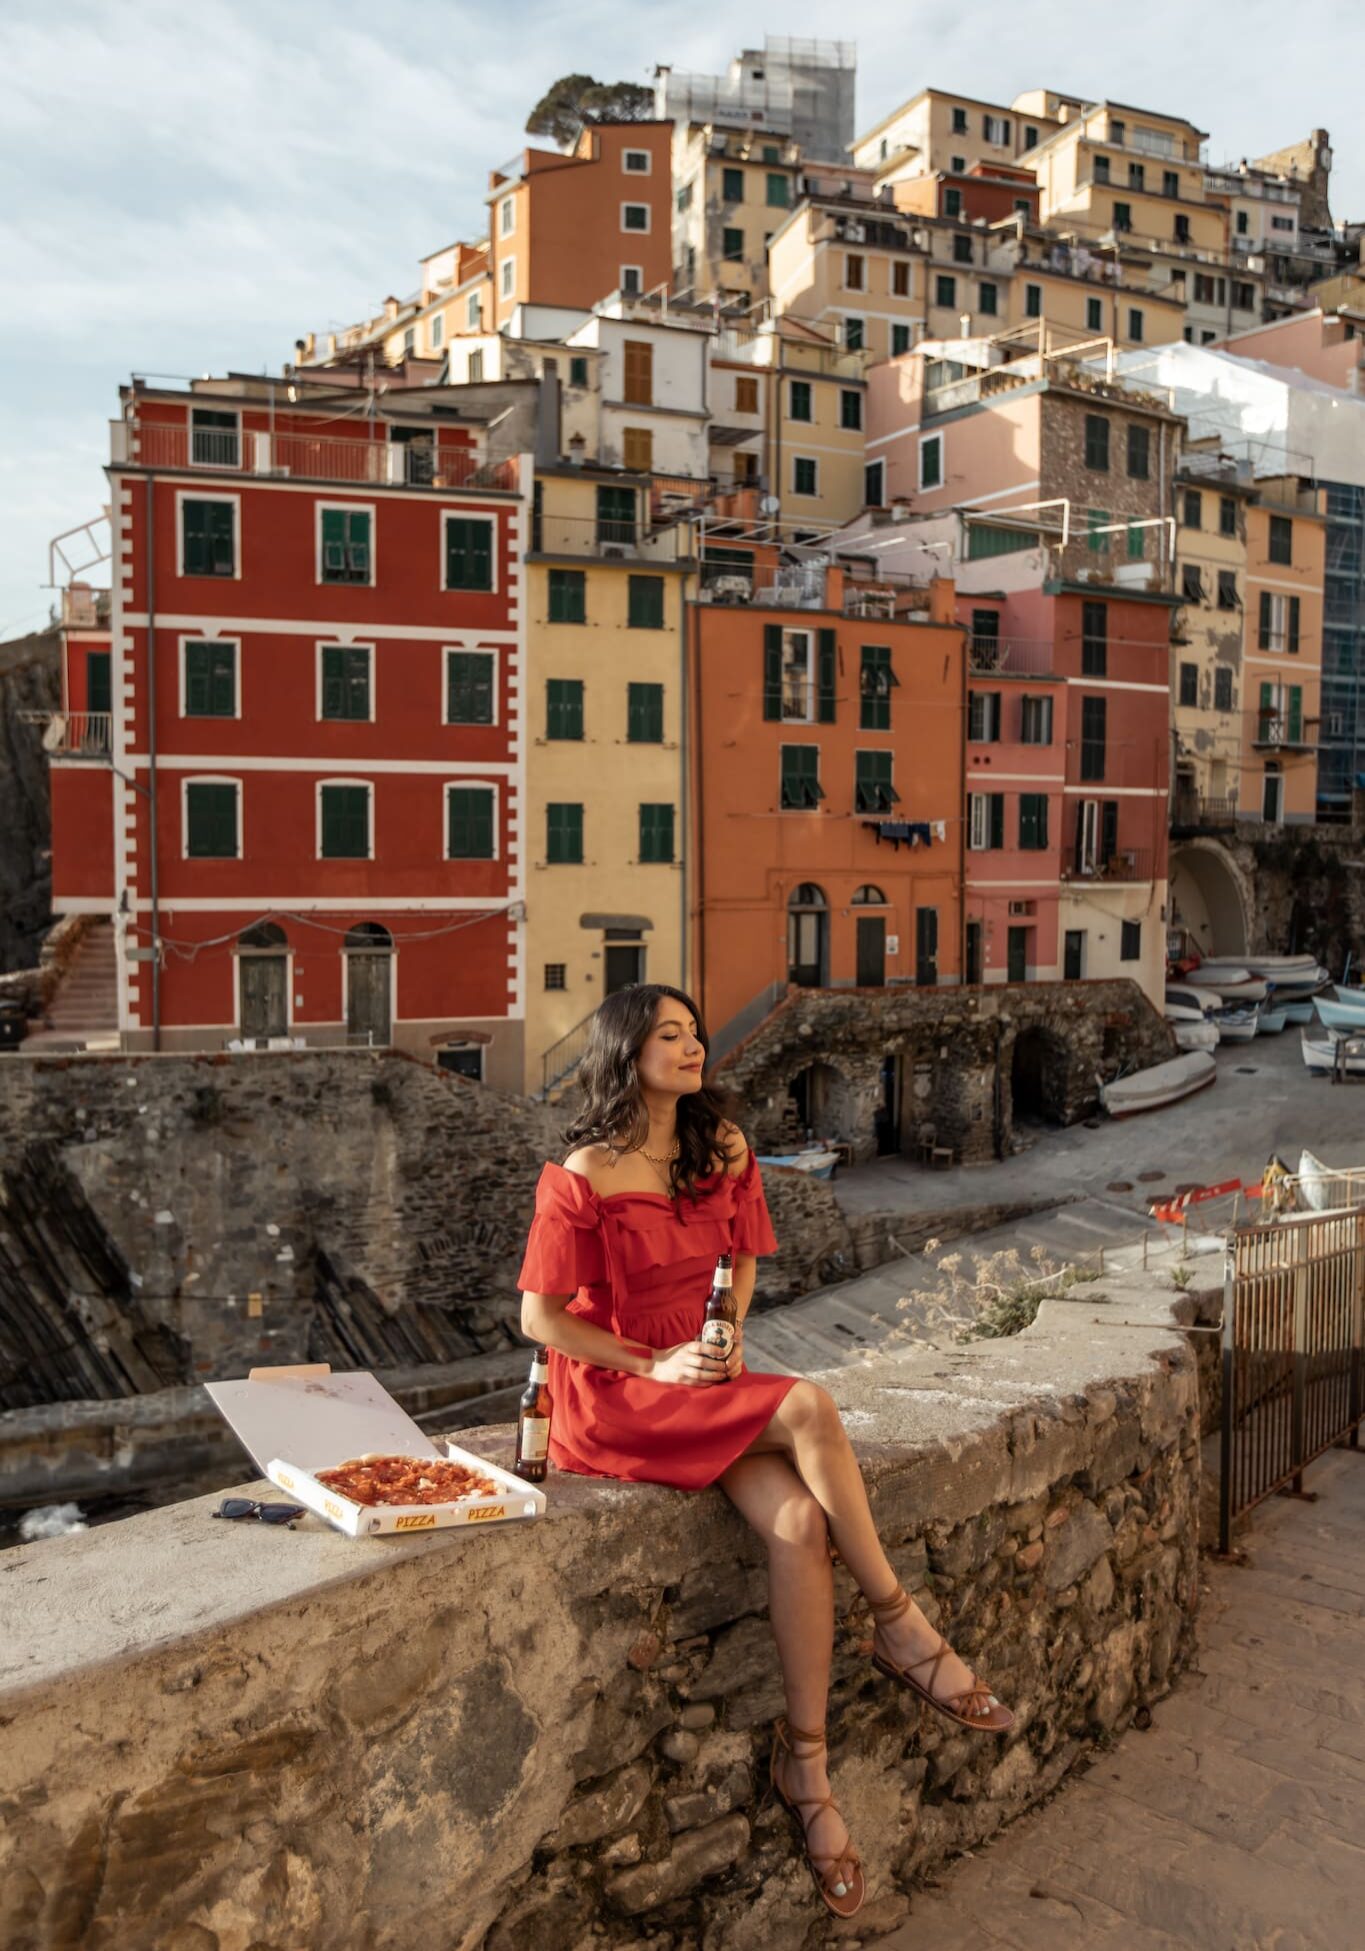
382 462
1125 864
611 538
1201 812
84 608
818 585
1010 656
1277 731
75 734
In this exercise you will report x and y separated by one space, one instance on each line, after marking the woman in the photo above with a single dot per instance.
615 1279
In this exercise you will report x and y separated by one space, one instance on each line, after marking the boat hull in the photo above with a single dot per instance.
1191 1035
1168 1083
1320 1054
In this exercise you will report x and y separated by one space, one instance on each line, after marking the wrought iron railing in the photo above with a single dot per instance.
423 462
562 1057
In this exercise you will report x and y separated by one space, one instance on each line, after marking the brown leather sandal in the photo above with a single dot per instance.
839 1879
975 1707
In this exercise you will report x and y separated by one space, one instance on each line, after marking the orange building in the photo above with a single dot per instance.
569 230
826 781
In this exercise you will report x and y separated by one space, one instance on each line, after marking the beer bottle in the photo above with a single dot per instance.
533 1422
718 1328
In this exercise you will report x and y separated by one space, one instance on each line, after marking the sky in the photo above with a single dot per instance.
185 189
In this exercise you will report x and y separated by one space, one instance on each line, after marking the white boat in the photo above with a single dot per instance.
1192 1034
1237 1025
1299 1009
1320 1053
819 1165
1341 1007
1148 1090
1267 965
1185 1003
1233 985
1271 1017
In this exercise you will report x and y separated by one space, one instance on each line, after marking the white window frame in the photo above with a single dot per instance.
205 637
1277 639
629 272
808 716
336 643
637 230
493 786
927 441
994 131
473 312
1088 815
806 494
464 515
507 275
207 779
637 162
979 822
182 495
470 650
368 784
369 508
437 329
227 466
507 216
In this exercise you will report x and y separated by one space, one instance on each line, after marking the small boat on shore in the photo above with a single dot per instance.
1343 1009
1149 1090
1299 1009
1184 1003
1233 985
1237 1025
1271 1017
815 1164
1334 1052
1193 1033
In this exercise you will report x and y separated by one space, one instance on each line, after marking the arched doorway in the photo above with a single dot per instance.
870 931
808 937
369 984
1208 907
1037 1078
263 981
821 1104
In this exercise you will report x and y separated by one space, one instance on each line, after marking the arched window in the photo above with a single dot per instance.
869 896
807 895
266 935
369 935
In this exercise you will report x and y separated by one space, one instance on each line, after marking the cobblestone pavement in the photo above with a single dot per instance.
1233 1824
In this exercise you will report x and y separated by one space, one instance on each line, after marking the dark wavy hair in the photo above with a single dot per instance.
614 1113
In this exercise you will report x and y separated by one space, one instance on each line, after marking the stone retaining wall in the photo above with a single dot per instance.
228 1738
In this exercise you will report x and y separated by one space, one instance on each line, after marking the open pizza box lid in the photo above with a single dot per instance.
293 1422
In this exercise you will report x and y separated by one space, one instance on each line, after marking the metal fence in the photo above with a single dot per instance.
1294 1298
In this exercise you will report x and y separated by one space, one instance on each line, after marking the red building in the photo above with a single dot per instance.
301 815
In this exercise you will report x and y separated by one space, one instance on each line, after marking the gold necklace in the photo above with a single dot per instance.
665 1160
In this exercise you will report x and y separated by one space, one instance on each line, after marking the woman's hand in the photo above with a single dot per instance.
734 1361
690 1365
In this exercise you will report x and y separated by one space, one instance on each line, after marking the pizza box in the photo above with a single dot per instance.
294 1422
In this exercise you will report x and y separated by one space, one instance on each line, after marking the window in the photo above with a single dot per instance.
873 791
983 718
1100 171
1030 136
208 538
1097 442
1123 216
346 682
788 683
474 367
469 823
1243 296
1135 327
945 290
874 484
215 440
990 300
850 410
637 449
1137 176
799 400
1193 508
1189 684
931 461
637 385
645 714
1092 738
1096 524
900 340
345 541
556 975
958 165
1130 941
876 681
746 395
962 248
779 191
804 475
211 820
952 203
1243 223
995 128
472 311
564 707
656 825
1281 223
1032 822
1033 301
507 276
568 596
564 831
645 603
900 279
635 162
210 680
507 216
1116 131
469 687
1227 589
1278 623
1192 582
1035 721
1135 536
578 369
1094 315
1094 639
616 515
1139 452
959 121
343 822
468 553
732 186
1222 688
1281 540
985 638
1227 514
732 246
683 197
1170 182
853 334
985 821
801 788
635 216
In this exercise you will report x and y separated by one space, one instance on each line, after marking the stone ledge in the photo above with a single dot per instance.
270 1733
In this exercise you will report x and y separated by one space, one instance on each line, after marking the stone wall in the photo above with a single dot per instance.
956 1050
30 680
220 1737
1298 887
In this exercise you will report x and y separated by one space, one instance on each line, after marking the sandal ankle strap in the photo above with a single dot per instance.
890 1608
783 1728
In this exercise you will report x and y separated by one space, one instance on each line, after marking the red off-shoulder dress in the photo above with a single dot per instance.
640 1265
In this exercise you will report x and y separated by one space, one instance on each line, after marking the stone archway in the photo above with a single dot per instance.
1040 1064
1209 899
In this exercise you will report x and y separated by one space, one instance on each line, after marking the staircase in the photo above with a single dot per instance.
86 1003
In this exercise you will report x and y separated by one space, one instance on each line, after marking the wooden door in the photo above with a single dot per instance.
625 966
639 373
926 947
1073 955
975 952
263 981
1017 954
871 951
369 992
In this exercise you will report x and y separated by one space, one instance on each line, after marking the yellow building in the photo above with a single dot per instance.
788 415
853 269
603 717
936 130
732 188
1208 685
1282 652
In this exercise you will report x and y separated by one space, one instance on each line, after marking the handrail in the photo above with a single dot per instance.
562 1056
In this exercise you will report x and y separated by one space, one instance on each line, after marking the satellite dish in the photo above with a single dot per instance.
769 505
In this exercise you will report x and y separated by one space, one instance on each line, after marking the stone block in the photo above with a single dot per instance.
603 1810
695 1855
1074 1546
679 1745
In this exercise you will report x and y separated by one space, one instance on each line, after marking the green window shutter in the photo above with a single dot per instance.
997 817
851 410
801 788
1263 628
211 822
732 245
873 791
1136 542
826 678
777 192
1096 519
564 831
208 538
772 670
1294 623
900 340
732 186
1295 713
1267 711
877 680
646 603
800 399
345 545
210 680
1109 829
1033 821
568 596
469 553
469 687
469 823
345 822
564 707
645 714
616 515
656 833
345 682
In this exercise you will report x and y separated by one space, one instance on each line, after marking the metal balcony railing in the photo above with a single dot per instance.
1280 731
1124 864
75 734
1203 810
1011 656
421 463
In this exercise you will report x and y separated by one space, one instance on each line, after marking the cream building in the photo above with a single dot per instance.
1208 684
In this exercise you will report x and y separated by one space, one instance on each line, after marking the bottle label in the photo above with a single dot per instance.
719 1335
535 1439
725 1277
540 1372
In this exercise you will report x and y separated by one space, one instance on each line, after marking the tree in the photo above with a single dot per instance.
575 99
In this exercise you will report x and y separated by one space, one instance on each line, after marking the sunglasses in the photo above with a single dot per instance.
238 1507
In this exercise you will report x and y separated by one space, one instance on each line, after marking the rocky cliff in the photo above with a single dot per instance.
29 681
